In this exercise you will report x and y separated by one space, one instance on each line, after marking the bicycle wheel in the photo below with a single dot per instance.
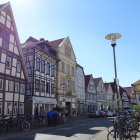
25 125
112 135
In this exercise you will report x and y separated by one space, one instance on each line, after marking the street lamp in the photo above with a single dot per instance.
112 37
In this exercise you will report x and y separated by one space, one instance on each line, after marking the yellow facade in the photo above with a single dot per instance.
66 74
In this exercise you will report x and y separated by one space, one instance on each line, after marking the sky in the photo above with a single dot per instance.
87 22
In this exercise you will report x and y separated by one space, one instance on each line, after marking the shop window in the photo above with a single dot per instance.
9 108
15 111
21 108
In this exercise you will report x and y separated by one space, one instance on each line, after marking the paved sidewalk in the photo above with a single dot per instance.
103 135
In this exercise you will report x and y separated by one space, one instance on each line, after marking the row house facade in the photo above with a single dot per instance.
131 95
90 94
66 74
101 93
41 63
124 98
109 96
80 84
12 74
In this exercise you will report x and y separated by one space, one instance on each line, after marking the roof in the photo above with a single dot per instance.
106 86
96 81
128 90
136 86
112 86
2 5
32 39
55 43
87 79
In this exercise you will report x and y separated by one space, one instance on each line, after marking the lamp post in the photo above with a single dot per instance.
112 37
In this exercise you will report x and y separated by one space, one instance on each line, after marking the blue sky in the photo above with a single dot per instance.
87 22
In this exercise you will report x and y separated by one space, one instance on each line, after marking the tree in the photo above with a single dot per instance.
136 107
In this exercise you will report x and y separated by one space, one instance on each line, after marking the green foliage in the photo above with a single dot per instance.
57 108
136 107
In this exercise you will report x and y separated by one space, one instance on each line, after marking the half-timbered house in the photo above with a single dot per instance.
101 93
40 59
80 85
12 75
109 96
90 94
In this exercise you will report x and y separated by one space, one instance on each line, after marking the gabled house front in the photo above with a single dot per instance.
124 98
109 96
90 94
66 74
101 93
41 64
131 95
12 74
80 94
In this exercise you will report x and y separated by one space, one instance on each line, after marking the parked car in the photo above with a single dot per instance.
114 112
93 114
108 113
102 114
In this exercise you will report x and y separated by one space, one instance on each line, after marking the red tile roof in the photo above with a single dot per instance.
106 86
55 43
96 81
128 90
87 79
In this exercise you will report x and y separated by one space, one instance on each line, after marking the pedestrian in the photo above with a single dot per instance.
36 112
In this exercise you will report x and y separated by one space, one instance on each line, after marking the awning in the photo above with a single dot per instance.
136 86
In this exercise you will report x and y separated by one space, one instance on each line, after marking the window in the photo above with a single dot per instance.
38 64
0 108
52 70
43 66
15 111
48 87
68 69
16 87
1 84
63 67
2 19
21 108
22 88
52 88
0 41
18 66
11 85
37 83
72 71
8 62
68 52
42 86
9 108
48 68
73 85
